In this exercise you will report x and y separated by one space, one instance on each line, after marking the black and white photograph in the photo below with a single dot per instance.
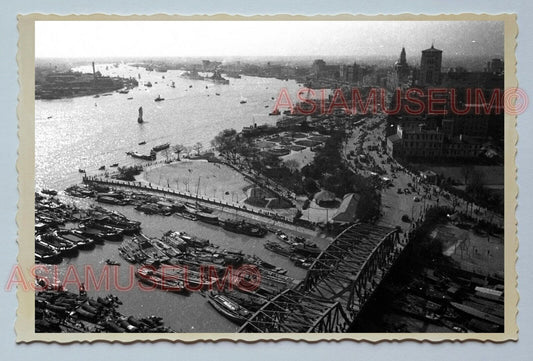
200 176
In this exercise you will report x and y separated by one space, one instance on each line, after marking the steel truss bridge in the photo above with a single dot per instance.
337 285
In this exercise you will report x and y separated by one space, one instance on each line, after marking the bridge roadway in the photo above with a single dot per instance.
337 285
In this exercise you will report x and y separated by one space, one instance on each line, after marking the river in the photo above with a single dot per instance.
88 132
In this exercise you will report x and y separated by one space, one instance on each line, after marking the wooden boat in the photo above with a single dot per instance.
228 308
156 279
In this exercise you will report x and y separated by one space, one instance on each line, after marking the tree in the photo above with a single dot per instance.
165 153
178 148
226 143
198 147
292 164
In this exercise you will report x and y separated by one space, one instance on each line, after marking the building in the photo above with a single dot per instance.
495 66
402 68
430 67
320 70
417 140
349 73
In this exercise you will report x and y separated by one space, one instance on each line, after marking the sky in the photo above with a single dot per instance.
54 39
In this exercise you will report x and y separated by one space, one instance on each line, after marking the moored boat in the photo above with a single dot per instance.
160 147
154 278
244 227
228 308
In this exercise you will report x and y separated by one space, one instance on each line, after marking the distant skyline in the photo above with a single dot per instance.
357 39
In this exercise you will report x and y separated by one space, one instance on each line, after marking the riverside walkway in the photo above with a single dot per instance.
265 216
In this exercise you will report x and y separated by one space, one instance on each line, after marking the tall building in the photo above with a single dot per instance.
430 67
402 68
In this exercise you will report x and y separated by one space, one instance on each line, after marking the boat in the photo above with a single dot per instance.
130 98
478 314
158 99
154 278
114 165
217 78
46 254
50 192
217 94
243 100
142 156
142 143
307 248
277 248
173 85
194 280
243 227
77 238
101 233
228 308
57 244
148 84
124 91
81 170
109 200
160 147
206 217
140 117
112 262
274 112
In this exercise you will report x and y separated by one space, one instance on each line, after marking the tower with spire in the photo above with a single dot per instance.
402 68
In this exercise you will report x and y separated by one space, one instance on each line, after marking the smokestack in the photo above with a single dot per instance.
94 72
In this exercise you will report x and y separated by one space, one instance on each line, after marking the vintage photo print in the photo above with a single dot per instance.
265 178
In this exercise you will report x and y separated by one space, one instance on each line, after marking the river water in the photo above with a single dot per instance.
89 132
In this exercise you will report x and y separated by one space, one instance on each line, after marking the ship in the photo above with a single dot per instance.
192 75
217 78
158 99
140 117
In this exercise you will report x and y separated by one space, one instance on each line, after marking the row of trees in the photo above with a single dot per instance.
180 149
